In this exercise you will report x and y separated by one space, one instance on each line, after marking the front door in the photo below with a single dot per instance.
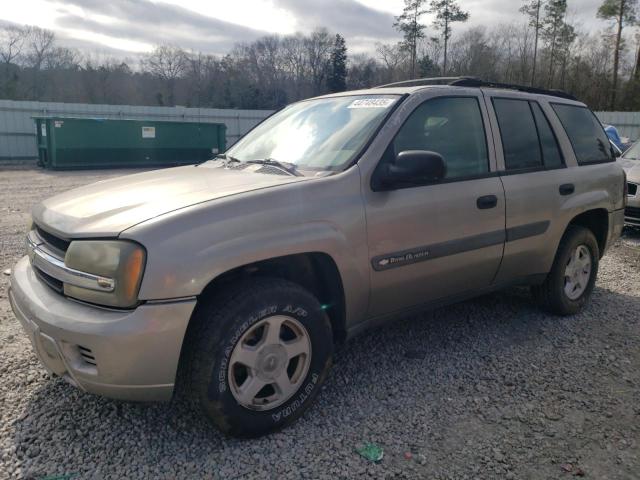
440 240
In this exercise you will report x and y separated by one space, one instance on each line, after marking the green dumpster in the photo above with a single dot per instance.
74 143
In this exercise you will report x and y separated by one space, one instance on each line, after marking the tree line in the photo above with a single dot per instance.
545 49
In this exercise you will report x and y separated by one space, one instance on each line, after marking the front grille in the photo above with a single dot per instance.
632 212
57 243
54 283
633 189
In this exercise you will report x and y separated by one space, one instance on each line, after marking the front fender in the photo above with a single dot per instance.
187 249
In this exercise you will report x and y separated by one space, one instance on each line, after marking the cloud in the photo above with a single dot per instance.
347 17
134 26
154 23
494 12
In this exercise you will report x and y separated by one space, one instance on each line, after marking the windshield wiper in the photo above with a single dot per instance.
290 168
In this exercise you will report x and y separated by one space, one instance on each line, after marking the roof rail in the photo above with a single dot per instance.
418 82
478 83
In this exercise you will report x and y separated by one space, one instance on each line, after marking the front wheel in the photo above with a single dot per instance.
259 354
569 285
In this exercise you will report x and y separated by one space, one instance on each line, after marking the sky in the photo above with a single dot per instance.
133 27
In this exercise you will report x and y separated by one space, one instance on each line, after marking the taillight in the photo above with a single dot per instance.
625 189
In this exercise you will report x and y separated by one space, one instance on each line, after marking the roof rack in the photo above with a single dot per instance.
478 83
418 82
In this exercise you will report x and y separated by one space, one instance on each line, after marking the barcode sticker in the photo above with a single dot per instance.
372 103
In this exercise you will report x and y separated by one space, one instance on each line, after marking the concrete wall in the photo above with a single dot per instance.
17 129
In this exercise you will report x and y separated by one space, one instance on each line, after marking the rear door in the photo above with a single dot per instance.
538 178
435 241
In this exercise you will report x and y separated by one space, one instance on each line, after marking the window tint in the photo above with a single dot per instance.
590 143
519 135
452 127
550 149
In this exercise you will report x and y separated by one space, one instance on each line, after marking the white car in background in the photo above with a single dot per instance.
630 162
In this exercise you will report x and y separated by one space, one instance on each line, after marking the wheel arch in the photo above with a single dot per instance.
597 221
314 271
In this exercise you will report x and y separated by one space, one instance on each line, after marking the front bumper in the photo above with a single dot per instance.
632 212
128 354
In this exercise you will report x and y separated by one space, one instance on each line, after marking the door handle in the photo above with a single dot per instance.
567 189
487 201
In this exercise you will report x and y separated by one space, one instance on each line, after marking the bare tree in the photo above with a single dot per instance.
395 60
61 58
318 50
362 72
294 56
11 44
168 63
40 44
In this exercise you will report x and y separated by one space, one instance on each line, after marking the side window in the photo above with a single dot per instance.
590 143
519 134
452 127
550 149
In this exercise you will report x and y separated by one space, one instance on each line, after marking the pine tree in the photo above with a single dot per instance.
532 9
447 12
623 12
427 67
337 80
557 33
409 25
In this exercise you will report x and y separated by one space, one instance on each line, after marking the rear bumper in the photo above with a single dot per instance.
129 355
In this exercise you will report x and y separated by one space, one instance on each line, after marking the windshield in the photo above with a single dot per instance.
633 153
322 134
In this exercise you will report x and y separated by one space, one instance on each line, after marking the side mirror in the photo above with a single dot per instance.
413 168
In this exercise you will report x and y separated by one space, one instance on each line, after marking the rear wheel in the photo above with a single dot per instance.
569 285
258 355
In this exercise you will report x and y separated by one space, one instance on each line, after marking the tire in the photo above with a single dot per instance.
553 293
234 328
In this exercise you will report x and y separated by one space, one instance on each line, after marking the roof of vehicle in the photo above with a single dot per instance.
412 86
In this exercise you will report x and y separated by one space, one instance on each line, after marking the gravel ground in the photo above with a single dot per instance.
491 388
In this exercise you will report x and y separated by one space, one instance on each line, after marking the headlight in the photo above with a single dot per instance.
120 263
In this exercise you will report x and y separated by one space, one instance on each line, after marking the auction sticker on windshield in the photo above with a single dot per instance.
372 103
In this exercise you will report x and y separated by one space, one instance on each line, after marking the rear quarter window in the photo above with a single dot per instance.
590 143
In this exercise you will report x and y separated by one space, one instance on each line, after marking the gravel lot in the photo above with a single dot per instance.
490 388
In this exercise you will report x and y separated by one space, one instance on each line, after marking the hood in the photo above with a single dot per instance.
631 168
106 208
